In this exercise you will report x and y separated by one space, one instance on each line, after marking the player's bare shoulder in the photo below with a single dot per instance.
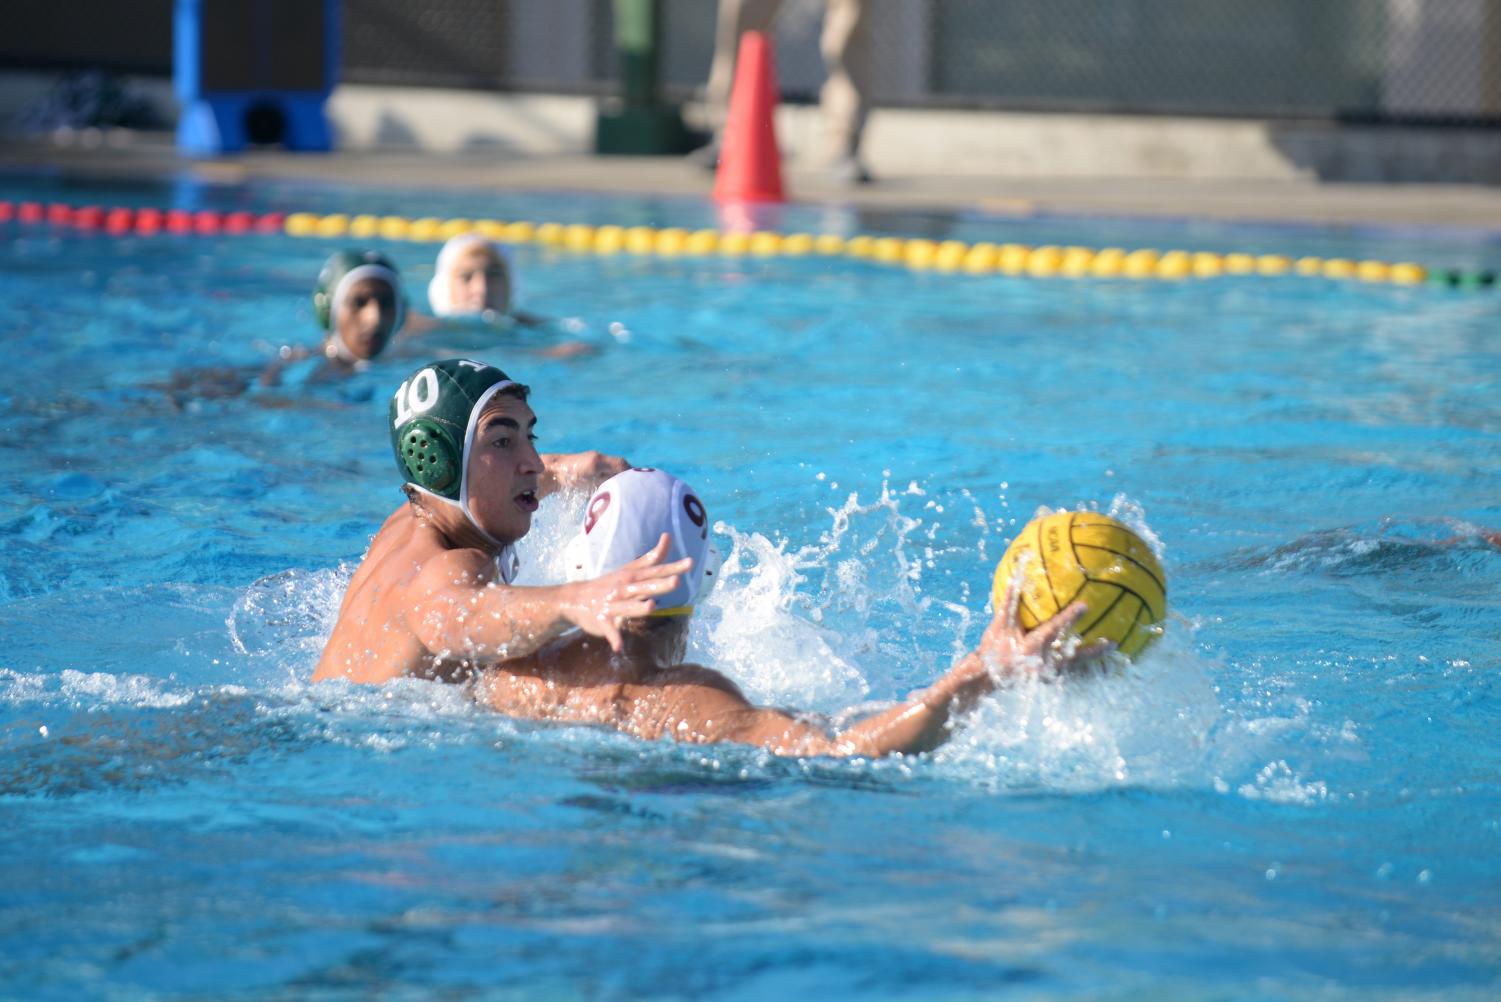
697 677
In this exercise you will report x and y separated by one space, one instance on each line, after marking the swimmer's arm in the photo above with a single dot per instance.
699 705
271 374
1005 653
458 609
707 715
710 712
581 471
417 323
918 724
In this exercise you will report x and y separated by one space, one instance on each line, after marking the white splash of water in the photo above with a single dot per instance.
747 630
284 619
97 689
1150 723
1279 784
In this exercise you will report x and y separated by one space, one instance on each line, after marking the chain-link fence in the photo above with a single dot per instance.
1373 60
1366 59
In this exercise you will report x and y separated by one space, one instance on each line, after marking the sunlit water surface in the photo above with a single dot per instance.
1294 795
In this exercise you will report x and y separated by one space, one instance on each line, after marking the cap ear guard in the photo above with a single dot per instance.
576 559
712 561
323 308
429 456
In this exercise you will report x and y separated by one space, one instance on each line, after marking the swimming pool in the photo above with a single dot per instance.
1294 795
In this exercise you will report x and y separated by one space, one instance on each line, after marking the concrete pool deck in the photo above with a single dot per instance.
142 156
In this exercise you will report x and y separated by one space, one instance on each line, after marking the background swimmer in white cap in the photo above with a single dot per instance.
474 278
641 685
432 597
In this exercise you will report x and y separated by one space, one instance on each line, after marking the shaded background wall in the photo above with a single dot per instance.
1369 60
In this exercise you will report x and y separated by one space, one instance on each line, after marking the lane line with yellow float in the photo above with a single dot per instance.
917 254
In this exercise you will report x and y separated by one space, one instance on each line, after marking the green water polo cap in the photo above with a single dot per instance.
433 416
341 271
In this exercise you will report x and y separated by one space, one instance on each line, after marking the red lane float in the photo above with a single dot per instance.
119 220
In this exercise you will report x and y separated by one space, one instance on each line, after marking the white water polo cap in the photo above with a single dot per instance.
433 417
626 517
440 288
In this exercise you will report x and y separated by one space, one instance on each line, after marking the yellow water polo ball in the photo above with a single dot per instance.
1083 556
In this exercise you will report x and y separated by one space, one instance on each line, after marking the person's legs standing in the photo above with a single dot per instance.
845 97
735 18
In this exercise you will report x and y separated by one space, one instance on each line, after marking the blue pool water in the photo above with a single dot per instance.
1294 796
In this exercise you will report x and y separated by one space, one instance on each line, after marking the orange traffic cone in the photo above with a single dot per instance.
750 166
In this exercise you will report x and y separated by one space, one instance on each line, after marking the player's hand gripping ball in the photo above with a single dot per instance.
1082 556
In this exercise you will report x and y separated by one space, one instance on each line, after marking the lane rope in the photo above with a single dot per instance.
916 254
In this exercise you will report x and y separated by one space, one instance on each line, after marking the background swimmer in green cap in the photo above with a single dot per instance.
359 305
433 596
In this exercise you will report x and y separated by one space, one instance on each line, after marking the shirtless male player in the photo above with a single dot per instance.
433 596
641 685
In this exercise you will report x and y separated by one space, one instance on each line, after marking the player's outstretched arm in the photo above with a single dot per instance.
458 609
1005 653
704 707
